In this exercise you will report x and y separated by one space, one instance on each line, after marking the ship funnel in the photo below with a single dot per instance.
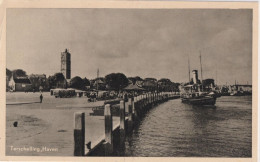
195 76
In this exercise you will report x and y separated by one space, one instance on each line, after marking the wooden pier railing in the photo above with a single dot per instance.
130 112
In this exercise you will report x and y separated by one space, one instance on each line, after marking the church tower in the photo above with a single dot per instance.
66 64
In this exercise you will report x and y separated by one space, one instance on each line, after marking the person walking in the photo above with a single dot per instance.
95 97
41 97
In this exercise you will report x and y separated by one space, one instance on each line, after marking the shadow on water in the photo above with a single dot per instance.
126 148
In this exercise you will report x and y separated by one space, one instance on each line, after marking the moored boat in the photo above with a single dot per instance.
195 95
200 100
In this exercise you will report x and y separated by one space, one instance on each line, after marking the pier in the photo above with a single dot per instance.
110 132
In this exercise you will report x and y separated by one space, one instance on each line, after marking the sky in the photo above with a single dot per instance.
137 42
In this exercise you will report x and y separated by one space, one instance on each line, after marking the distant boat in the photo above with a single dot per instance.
240 90
237 93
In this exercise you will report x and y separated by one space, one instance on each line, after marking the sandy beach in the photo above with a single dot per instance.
46 129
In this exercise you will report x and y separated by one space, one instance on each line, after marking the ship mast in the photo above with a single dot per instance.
201 72
201 68
97 78
189 67
216 77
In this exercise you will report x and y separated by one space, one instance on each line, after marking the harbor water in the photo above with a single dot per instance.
174 129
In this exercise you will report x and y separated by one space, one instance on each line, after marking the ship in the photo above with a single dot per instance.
195 94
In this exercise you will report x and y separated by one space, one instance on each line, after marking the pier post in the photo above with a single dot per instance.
122 117
108 130
79 134
126 104
153 98
142 102
122 122
133 107
146 99
149 96
130 115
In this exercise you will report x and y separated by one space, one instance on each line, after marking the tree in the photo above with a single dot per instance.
59 77
116 81
57 81
150 79
86 82
19 73
77 82
208 82
137 78
150 84
134 79
165 81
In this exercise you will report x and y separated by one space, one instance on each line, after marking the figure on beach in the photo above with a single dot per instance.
41 97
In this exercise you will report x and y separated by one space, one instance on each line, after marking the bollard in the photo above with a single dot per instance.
79 134
122 119
108 130
130 116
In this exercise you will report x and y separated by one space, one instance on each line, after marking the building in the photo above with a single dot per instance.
20 84
66 64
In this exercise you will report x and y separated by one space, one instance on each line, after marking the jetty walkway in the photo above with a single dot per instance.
111 132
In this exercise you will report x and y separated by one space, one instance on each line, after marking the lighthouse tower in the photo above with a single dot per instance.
66 64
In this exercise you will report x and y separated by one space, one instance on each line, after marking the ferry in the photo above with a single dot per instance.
195 95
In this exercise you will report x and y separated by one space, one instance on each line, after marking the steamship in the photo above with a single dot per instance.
195 95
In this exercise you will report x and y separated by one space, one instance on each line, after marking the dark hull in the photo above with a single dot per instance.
200 101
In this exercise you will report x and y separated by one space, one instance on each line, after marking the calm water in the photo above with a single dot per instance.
181 130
